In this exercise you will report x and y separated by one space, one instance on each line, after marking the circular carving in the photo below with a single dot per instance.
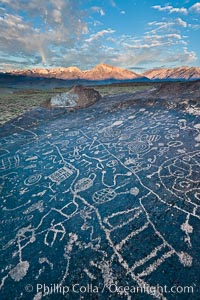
33 179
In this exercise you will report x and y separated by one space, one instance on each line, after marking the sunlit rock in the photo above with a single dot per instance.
78 96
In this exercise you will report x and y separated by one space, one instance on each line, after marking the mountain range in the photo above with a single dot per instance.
104 72
187 73
99 72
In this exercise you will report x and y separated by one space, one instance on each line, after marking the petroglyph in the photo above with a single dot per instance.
8 163
134 191
52 233
138 147
104 195
33 179
18 272
36 206
111 197
185 259
61 175
188 229
84 183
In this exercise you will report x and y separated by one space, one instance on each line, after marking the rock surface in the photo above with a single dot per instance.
106 198
77 97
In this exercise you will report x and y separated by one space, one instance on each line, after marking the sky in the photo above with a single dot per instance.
133 34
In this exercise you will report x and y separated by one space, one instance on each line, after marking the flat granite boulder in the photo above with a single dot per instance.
77 97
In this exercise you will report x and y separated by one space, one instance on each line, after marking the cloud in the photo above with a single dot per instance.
170 9
164 45
150 41
195 8
57 15
171 26
99 34
180 22
122 12
82 56
186 57
60 33
153 57
112 3
60 37
98 10
174 36
59 24
194 26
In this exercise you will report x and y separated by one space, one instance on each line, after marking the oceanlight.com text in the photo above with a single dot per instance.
49 289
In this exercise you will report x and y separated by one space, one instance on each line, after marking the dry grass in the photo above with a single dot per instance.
15 102
119 89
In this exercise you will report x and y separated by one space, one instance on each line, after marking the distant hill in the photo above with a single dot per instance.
31 82
104 71
184 73
100 72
